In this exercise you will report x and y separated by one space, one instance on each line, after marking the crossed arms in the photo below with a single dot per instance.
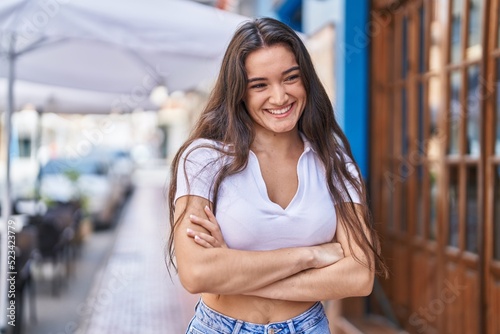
327 271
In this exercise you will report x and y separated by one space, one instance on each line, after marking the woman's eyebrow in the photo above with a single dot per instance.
291 69
255 79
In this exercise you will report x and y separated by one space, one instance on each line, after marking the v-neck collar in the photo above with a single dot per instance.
259 178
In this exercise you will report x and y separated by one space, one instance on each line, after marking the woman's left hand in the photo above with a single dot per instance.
212 240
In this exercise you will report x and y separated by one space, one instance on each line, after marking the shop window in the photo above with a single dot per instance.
420 169
404 48
433 200
404 122
433 144
435 31
454 113
421 112
421 40
474 50
496 218
472 209
498 28
497 116
420 203
434 98
456 28
404 207
453 206
473 105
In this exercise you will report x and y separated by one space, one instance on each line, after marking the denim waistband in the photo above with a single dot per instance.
225 324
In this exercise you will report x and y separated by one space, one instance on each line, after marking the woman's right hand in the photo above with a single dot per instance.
215 238
323 255
327 254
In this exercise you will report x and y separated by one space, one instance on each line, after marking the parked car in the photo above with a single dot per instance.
86 179
121 167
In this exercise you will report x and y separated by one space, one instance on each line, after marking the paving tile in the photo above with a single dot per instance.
135 293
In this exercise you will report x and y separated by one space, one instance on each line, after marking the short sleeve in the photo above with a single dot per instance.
197 170
351 168
353 197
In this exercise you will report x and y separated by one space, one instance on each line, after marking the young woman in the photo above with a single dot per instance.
268 212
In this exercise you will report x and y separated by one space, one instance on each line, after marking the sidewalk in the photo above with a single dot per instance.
133 292
59 314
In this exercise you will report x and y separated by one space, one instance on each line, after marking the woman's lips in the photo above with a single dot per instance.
280 112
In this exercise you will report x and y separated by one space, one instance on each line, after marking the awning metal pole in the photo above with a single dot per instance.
6 199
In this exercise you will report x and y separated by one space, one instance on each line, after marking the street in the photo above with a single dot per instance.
120 283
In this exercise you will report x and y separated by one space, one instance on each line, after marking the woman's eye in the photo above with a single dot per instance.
292 78
258 86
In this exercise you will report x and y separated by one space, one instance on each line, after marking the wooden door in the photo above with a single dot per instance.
407 160
428 164
463 203
492 171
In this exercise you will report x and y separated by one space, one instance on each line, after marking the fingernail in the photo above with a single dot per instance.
189 230
192 217
206 207
197 237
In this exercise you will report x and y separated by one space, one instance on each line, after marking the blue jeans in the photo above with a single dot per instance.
209 321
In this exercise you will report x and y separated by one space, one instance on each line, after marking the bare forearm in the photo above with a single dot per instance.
346 278
227 271
209 266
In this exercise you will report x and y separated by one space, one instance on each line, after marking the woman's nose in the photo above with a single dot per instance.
278 95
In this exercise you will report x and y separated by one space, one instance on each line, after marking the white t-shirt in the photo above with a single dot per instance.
248 219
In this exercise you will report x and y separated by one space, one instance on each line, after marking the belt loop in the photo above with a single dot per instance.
237 327
291 327
197 305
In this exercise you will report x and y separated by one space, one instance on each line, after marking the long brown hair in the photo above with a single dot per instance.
226 120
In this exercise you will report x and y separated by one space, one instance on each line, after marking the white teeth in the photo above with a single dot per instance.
279 111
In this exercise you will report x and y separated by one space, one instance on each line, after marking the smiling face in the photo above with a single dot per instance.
275 96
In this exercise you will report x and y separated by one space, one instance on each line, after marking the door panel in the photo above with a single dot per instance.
494 310
433 188
471 306
423 291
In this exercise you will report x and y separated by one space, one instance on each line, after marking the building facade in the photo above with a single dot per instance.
435 160
417 91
